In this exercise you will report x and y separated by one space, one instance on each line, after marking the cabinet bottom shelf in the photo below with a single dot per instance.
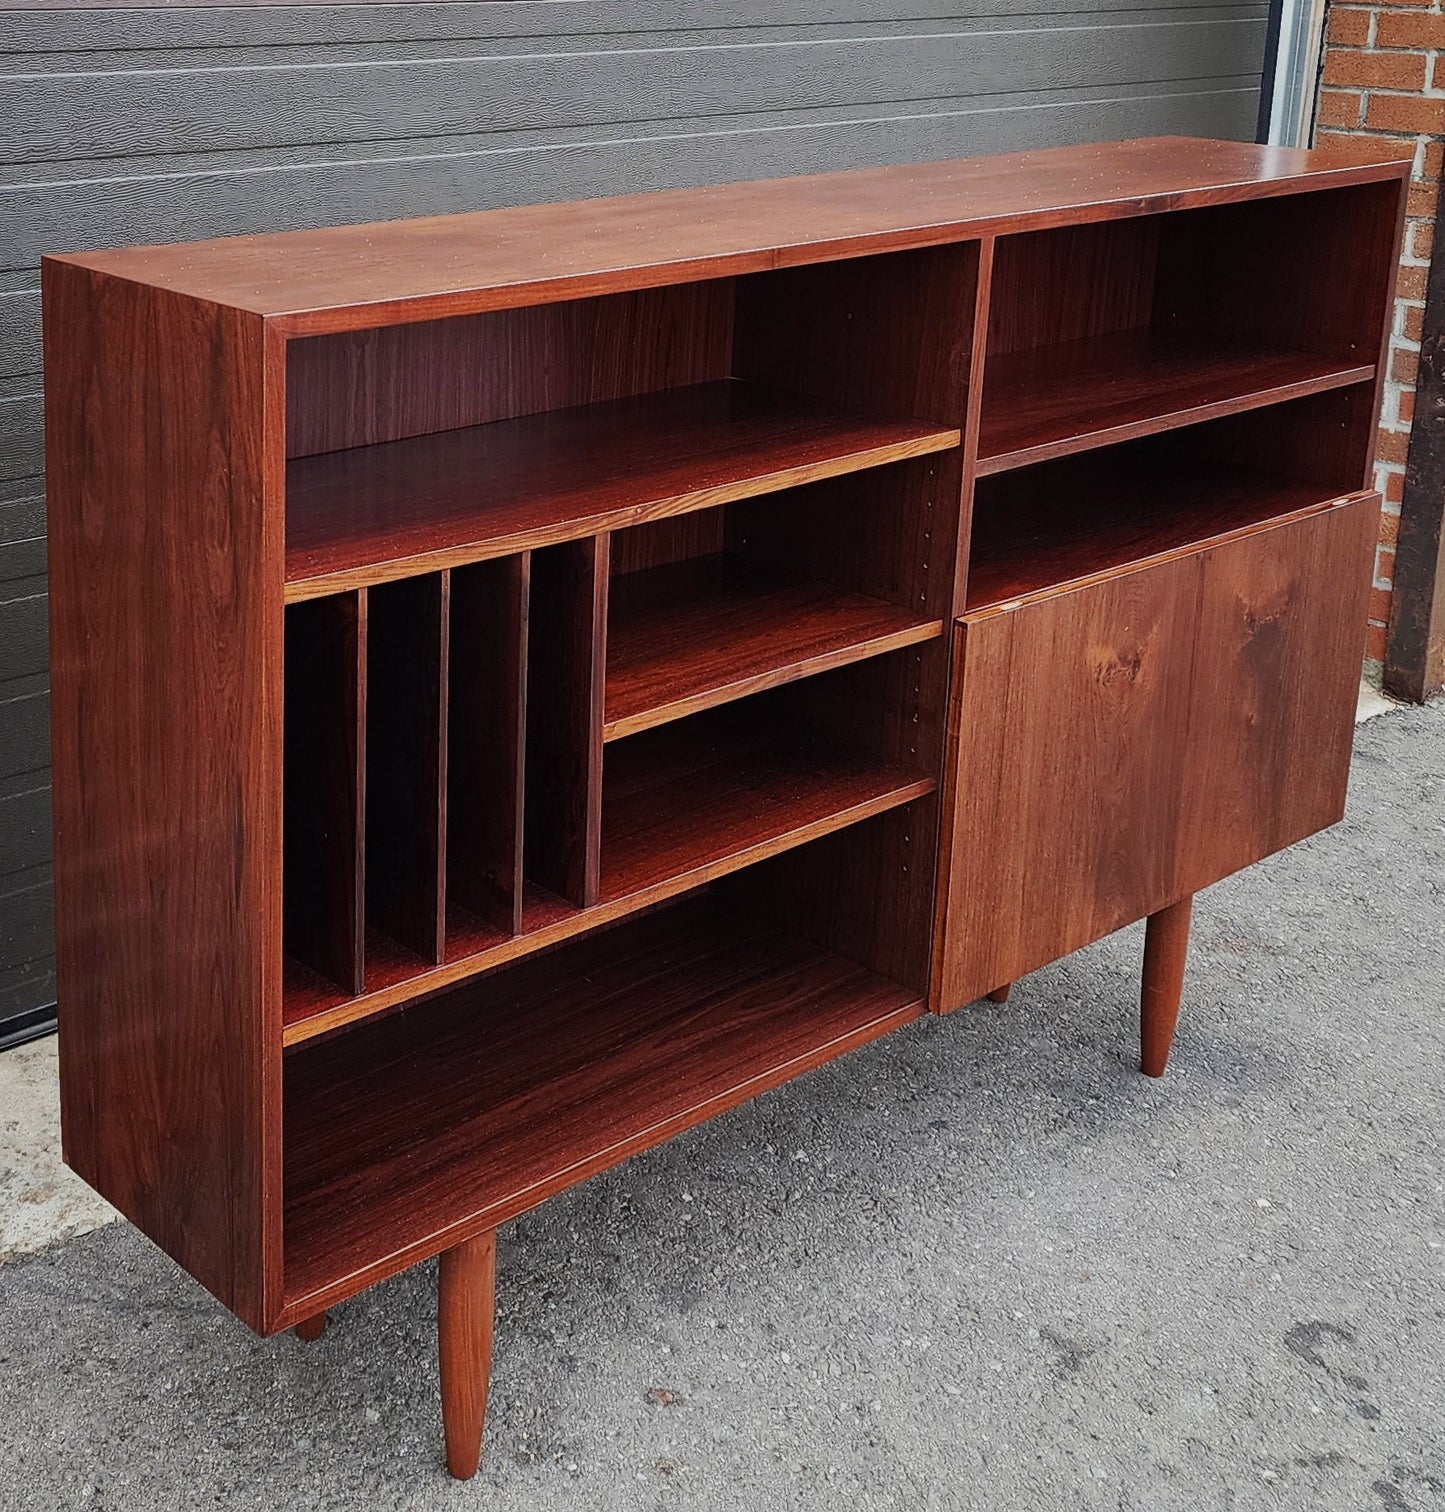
406 1133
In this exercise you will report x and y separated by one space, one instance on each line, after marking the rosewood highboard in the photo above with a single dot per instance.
526 681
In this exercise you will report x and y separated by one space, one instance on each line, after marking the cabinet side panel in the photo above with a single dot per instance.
1069 718
166 625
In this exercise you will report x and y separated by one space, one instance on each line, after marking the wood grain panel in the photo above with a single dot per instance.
698 798
374 513
889 332
1061 524
1071 284
667 542
565 681
364 387
1118 746
884 532
410 1134
1054 400
486 730
1069 720
1234 271
166 625
907 338
1273 690
686 637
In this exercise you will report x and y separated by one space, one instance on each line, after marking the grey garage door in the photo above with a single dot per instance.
126 125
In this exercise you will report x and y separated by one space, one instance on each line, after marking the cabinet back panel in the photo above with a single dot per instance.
1325 439
1303 271
660 543
360 387
887 532
888 333
1073 282
565 671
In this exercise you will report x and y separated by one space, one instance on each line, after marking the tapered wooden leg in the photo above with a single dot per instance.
311 1328
1000 994
464 1333
1166 943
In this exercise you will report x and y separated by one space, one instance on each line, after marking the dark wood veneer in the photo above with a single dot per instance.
166 646
660 644
324 787
1059 399
406 762
1146 736
695 798
372 513
687 636
486 724
452 1118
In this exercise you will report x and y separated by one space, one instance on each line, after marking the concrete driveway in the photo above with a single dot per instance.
983 1264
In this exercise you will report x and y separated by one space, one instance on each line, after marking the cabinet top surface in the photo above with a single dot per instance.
352 277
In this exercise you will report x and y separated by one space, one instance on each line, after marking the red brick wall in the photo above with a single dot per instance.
1384 78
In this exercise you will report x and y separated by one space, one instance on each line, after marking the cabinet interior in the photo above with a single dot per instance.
618 639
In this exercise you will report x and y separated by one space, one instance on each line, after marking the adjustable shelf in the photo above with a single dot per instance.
1108 332
1050 401
690 801
1058 524
370 513
1107 524
476 1106
685 637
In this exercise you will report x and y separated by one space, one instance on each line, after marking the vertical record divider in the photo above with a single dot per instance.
406 748
486 734
566 673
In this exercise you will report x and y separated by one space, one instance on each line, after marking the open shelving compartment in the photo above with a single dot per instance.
426 446
1061 523
1113 330
734 600
473 1106
626 641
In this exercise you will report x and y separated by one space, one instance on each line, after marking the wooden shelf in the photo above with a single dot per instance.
692 801
682 805
689 636
371 513
1050 401
471 1109
1107 517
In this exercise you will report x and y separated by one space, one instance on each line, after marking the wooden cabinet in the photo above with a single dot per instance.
661 644
1117 745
